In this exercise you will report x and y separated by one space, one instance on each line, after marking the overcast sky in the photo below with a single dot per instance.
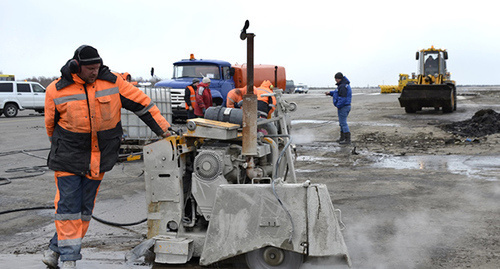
371 42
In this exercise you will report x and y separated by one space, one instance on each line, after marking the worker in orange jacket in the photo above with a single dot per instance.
265 104
234 96
82 119
266 101
190 98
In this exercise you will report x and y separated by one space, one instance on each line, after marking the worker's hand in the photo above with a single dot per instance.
204 111
166 134
327 93
190 108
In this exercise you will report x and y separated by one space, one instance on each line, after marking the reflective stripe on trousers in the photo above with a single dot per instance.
74 202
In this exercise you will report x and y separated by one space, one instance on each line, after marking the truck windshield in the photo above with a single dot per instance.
196 71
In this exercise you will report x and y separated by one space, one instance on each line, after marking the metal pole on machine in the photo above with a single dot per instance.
249 139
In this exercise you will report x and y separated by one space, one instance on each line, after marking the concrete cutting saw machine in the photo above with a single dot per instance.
208 199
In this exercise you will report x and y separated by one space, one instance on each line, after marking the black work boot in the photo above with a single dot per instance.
346 140
341 137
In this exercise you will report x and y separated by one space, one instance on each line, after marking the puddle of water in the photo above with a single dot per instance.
369 123
310 122
481 167
313 159
364 123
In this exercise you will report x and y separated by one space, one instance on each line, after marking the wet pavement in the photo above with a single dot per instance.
474 167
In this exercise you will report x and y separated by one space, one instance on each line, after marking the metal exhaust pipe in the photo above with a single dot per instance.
249 139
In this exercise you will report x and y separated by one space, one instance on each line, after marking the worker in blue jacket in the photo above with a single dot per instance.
342 101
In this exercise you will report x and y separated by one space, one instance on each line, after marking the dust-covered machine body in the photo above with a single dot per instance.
207 199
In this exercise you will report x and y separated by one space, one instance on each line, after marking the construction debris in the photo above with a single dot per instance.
484 122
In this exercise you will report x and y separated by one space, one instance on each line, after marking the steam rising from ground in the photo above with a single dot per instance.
302 136
406 241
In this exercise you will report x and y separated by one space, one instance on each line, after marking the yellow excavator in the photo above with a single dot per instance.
433 87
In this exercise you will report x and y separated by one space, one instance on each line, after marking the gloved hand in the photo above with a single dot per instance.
166 134
203 111
190 108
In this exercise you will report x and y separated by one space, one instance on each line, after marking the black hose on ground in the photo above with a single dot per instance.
94 217
118 224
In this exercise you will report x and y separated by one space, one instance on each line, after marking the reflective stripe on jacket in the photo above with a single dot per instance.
83 120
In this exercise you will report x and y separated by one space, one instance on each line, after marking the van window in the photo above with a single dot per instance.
23 87
37 88
6 87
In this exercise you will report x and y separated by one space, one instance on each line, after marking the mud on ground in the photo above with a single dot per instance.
412 193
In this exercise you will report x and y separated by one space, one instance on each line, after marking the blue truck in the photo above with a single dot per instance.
219 72
223 76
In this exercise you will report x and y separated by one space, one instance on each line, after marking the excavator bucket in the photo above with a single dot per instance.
416 96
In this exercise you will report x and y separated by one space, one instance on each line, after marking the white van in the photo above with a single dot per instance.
20 95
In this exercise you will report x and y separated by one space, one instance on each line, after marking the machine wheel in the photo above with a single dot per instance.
10 110
273 257
410 109
450 106
454 98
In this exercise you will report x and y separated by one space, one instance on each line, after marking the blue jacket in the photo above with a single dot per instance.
343 94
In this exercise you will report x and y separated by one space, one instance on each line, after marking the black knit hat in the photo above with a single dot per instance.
339 76
86 55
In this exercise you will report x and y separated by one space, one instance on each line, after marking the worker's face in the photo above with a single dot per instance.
338 80
88 73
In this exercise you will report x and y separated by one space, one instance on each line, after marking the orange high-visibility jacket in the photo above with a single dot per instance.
265 103
234 96
83 120
192 97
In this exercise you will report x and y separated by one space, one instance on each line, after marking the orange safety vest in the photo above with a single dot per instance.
192 97
83 121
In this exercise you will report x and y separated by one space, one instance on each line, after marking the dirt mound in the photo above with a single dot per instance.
484 122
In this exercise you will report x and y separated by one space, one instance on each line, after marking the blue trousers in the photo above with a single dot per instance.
343 112
74 202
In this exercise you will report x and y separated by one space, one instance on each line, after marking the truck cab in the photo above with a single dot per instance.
219 72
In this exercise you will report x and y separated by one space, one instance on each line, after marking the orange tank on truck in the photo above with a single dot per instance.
273 73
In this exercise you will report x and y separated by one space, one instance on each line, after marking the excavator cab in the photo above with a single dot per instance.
433 87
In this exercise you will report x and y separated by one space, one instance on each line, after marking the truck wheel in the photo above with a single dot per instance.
273 257
10 110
